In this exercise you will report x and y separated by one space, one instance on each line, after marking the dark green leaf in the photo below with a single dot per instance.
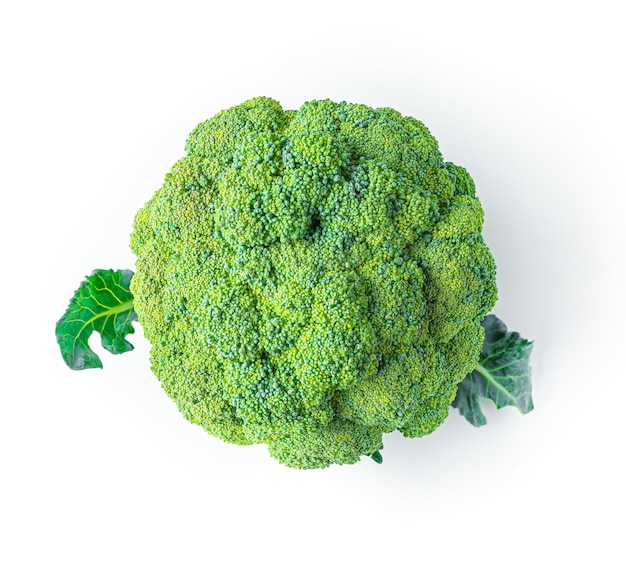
502 374
103 303
377 457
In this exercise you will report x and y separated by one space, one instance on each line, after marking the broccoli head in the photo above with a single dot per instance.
313 279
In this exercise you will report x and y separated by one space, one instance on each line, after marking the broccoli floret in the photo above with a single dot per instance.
313 279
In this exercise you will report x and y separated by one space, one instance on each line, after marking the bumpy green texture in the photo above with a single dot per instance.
312 279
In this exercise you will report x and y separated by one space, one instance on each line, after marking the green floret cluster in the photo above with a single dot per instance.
313 279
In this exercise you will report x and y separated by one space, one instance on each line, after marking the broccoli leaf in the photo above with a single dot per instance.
377 457
102 303
502 374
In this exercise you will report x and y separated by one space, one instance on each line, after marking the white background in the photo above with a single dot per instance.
96 102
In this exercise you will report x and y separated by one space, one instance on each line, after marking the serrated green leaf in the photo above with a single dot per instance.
502 374
102 303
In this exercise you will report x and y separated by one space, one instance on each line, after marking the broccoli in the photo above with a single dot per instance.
310 280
